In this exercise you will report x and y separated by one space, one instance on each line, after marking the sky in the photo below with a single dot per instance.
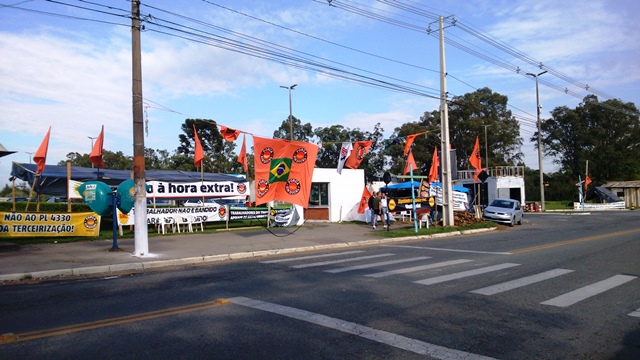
67 65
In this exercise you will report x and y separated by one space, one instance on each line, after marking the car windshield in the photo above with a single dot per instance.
502 203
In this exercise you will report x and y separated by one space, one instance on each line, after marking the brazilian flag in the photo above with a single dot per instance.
279 170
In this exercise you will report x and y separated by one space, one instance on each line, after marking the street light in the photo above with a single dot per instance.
30 153
539 141
91 147
290 108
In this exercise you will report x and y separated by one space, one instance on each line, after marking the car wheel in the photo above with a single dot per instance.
520 221
513 221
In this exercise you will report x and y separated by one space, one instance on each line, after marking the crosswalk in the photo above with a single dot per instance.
454 270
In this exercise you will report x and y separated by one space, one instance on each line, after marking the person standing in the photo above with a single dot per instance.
384 210
370 204
376 209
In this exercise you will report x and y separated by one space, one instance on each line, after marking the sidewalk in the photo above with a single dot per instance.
94 257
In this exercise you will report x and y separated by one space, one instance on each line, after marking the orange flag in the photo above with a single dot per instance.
366 194
475 160
96 153
587 181
410 161
198 154
409 141
40 158
283 170
242 157
360 150
435 164
228 133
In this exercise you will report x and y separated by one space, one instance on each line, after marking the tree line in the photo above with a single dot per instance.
607 134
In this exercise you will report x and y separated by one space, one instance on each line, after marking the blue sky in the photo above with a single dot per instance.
74 74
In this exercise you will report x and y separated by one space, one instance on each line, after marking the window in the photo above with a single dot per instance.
319 194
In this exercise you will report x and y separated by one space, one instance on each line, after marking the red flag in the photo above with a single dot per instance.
435 164
360 150
242 157
96 153
475 159
283 170
587 181
366 194
410 161
40 158
228 133
409 142
198 153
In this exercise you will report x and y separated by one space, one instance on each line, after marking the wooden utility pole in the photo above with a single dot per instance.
141 240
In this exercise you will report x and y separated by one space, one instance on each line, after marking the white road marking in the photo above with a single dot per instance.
451 250
460 275
382 263
380 336
586 292
635 313
311 257
419 268
514 284
323 263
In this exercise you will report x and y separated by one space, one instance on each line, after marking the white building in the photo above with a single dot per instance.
505 182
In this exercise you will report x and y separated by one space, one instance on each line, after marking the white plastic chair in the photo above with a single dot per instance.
195 220
161 225
406 213
424 219
182 220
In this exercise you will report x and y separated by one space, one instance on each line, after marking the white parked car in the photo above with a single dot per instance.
507 211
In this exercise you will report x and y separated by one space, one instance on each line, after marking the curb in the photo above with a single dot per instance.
107 269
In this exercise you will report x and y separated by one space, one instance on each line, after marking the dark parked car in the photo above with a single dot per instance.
507 211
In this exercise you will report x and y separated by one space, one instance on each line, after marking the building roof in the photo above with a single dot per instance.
623 184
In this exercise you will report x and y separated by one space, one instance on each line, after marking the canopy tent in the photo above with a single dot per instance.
416 185
601 193
53 180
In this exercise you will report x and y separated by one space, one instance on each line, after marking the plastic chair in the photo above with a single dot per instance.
424 219
182 220
161 225
197 219
406 213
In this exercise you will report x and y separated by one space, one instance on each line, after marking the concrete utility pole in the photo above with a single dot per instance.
542 207
141 240
447 187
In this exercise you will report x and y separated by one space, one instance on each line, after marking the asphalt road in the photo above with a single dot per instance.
557 287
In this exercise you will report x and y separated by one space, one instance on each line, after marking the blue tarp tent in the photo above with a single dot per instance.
416 185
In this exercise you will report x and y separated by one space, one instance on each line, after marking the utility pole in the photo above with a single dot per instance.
447 187
542 207
141 236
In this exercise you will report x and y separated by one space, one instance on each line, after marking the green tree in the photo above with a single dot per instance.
331 139
604 133
468 116
300 132
111 160
219 153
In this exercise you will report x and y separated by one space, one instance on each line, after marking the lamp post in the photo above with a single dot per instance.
290 108
30 153
91 147
539 141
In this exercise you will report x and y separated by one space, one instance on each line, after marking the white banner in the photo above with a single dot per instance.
460 200
167 214
604 206
179 190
